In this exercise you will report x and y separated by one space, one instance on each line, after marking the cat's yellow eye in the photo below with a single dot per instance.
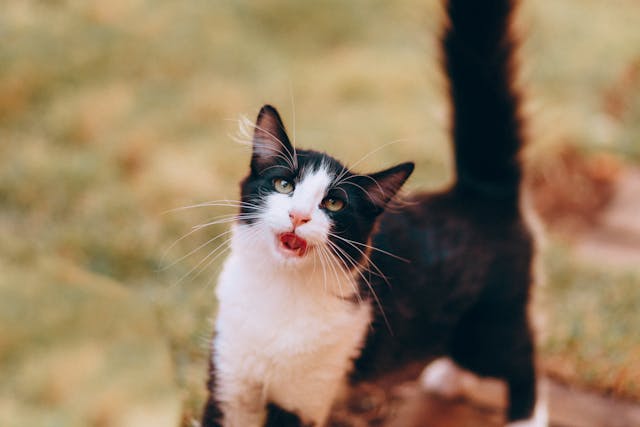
333 205
283 186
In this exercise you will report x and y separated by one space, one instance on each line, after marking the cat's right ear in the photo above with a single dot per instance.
271 144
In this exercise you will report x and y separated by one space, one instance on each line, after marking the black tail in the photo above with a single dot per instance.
479 56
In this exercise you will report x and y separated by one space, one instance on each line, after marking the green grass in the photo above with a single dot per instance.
591 335
112 113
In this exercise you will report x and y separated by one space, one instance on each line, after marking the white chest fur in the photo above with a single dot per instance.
283 337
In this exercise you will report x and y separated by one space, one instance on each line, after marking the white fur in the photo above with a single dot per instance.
284 332
445 378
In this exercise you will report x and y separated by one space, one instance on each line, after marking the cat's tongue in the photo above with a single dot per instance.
294 243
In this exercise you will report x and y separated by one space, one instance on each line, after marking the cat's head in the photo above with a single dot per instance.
306 204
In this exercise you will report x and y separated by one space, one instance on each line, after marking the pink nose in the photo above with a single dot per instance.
298 218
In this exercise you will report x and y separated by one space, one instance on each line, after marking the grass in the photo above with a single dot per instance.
112 113
591 327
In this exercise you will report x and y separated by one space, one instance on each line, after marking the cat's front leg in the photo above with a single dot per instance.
241 402
233 401
280 417
232 414
212 414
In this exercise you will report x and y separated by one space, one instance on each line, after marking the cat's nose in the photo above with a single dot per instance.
298 218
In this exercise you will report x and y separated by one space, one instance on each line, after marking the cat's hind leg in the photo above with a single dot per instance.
445 378
500 345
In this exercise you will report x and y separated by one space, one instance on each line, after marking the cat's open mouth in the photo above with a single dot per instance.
292 244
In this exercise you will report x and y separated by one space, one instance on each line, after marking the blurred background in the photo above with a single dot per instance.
114 113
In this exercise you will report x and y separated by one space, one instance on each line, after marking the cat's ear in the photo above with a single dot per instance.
270 141
382 186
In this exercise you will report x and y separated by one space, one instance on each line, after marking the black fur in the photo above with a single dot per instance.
279 417
465 291
212 414
478 48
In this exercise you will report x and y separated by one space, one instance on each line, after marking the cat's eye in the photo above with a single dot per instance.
332 204
283 186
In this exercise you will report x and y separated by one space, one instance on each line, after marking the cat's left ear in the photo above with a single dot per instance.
382 186
270 141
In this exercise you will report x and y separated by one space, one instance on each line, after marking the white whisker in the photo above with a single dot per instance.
196 249
367 282
373 248
211 253
216 203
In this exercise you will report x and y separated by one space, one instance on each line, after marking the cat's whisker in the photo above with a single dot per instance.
293 113
358 186
348 179
346 170
212 260
253 232
335 272
216 203
344 268
375 150
276 166
344 257
367 258
324 271
373 248
246 138
211 253
292 156
196 249
399 202
166 251
244 135
323 257
313 272
291 163
230 218
223 219
369 286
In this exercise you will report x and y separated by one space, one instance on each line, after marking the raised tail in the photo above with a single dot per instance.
479 50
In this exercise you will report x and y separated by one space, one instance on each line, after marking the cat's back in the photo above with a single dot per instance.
450 249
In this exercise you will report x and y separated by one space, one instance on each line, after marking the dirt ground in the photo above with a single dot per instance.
406 405
616 239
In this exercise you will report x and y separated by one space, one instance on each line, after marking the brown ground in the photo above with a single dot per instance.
407 406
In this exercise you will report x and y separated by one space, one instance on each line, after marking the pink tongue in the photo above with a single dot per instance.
294 243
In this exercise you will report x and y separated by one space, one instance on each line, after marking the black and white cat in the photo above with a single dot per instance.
324 286
292 317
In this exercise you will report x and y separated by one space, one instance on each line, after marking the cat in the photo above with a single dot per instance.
291 316
324 282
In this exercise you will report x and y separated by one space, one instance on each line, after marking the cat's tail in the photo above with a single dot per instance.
479 46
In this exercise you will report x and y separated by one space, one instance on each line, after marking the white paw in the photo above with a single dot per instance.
445 378
540 417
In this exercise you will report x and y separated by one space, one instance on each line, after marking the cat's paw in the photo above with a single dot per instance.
443 377
540 417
